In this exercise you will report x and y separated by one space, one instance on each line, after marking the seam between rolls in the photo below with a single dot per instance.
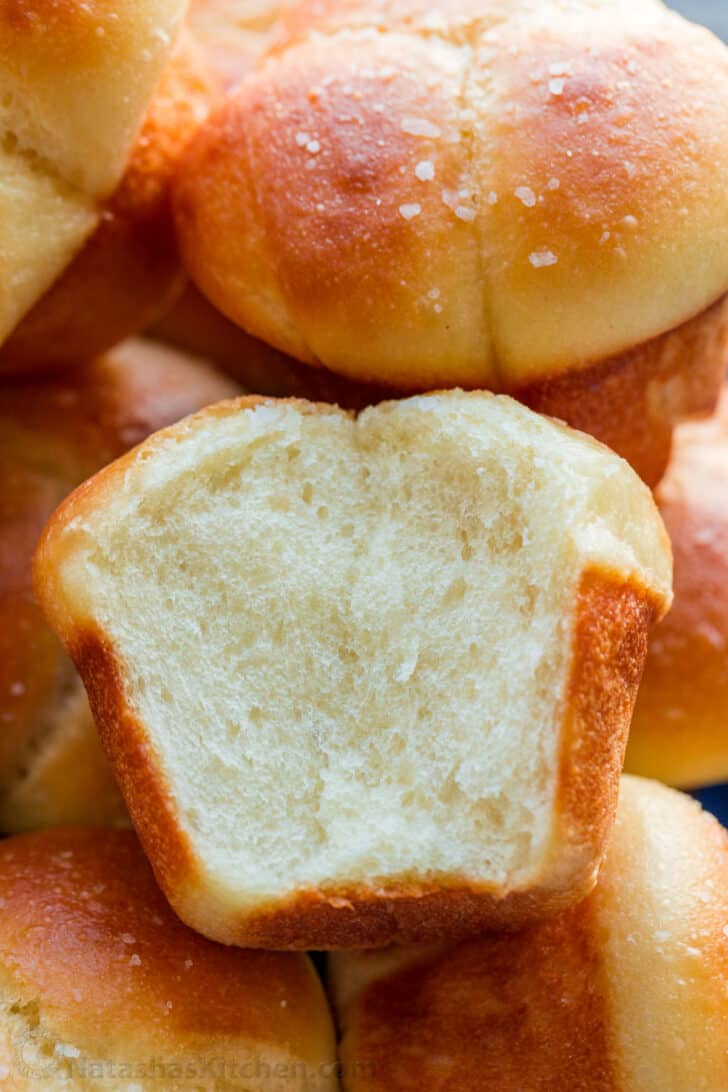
464 36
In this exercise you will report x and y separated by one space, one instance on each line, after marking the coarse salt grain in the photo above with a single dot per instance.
313 147
410 211
425 170
492 198
560 68
556 87
541 259
553 184
464 212
135 961
302 139
526 195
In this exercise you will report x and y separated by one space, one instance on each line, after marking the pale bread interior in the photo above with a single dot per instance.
350 639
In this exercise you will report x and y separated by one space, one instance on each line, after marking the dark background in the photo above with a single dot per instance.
714 13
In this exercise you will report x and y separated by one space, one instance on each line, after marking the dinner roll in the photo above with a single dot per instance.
680 728
128 271
627 992
103 987
499 195
53 434
76 82
362 679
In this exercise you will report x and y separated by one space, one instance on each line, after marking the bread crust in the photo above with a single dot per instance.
633 401
540 1020
87 937
625 992
678 731
129 269
573 189
608 644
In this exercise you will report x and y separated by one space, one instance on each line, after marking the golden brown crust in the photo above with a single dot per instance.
506 1013
609 644
633 401
625 992
612 617
366 916
147 796
477 195
85 932
293 267
129 269
679 728
661 923
53 434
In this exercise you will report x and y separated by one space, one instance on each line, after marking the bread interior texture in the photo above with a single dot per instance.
350 639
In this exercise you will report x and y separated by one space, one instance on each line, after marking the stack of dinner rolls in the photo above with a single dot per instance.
364 515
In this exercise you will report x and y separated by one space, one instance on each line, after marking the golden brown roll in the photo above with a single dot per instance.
76 82
362 679
103 987
628 992
526 196
129 269
679 732
53 434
